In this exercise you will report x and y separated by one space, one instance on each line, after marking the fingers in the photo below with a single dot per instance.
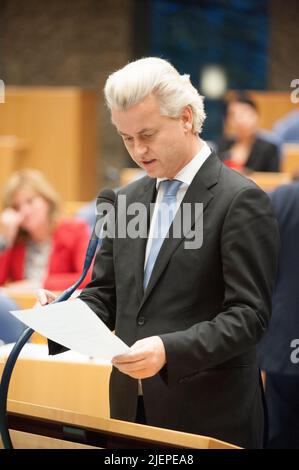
45 296
144 359
141 350
131 366
131 356
136 370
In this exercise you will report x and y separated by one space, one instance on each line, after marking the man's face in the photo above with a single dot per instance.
158 144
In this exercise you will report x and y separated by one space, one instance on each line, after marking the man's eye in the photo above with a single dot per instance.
148 136
128 139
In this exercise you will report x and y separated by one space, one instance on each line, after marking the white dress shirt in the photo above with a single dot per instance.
185 175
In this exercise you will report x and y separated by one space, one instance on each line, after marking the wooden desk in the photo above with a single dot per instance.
23 292
24 298
60 126
269 181
99 432
12 153
69 381
290 158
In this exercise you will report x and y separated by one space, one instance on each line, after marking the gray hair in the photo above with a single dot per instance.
133 83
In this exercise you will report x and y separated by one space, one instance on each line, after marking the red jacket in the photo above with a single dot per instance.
69 243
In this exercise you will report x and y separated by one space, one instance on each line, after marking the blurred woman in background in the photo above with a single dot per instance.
243 148
35 243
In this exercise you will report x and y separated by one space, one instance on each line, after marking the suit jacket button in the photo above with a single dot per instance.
141 321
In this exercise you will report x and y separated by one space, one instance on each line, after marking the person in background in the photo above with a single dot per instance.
244 149
287 128
36 244
277 349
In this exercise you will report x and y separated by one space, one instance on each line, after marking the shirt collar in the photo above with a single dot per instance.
187 173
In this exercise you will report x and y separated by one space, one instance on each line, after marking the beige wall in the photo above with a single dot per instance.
58 131
67 43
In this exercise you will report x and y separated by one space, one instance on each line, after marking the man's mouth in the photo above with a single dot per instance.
148 162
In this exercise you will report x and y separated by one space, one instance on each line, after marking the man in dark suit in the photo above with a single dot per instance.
279 348
191 314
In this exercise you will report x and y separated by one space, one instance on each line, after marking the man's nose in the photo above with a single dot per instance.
140 148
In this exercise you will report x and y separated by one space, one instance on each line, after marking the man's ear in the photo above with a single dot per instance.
187 118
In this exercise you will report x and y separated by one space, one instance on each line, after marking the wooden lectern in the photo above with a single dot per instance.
33 426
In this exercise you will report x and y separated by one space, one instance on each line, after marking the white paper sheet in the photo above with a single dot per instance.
74 325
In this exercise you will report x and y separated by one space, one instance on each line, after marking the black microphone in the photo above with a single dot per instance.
105 202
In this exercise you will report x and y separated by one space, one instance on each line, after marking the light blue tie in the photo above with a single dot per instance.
165 215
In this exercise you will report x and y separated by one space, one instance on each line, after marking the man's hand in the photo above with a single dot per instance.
144 359
45 297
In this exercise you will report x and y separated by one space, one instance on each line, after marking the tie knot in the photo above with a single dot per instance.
171 187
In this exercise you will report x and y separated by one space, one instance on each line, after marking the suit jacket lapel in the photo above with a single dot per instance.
198 191
146 197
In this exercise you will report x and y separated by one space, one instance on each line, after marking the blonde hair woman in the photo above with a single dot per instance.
35 242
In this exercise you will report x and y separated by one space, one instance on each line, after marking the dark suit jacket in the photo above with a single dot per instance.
275 349
210 306
264 155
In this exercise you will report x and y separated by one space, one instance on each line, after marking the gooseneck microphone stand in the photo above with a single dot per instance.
106 197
